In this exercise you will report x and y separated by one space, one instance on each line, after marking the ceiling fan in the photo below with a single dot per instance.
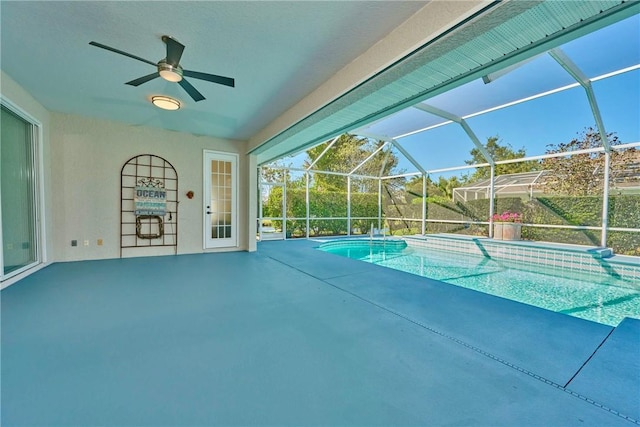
169 68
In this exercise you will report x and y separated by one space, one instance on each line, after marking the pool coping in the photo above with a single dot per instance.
559 256
580 259
569 247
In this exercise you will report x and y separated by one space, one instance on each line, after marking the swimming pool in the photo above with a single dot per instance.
600 298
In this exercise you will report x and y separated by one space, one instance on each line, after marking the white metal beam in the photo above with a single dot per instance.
449 116
324 151
575 72
402 175
409 157
396 144
370 135
488 78
369 157
386 159
520 101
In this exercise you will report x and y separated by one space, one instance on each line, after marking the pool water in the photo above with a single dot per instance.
599 298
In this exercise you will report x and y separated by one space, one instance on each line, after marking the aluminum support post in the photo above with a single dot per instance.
284 208
605 200
492 190
424 204
348 206
260 203
306 174
379 203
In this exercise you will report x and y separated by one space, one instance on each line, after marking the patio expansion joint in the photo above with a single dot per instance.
479 350
338 276
590 357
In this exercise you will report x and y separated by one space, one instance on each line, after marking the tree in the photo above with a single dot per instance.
580 174
345 155
499 151
275 172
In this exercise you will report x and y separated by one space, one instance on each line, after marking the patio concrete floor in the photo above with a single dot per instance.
294 336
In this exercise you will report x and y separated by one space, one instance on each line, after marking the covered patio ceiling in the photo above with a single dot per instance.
473 69
277 52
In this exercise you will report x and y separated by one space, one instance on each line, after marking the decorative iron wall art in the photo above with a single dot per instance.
148 203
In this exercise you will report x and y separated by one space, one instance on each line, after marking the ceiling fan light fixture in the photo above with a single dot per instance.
169 72
165 102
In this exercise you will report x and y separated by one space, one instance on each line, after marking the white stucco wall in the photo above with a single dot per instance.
87 156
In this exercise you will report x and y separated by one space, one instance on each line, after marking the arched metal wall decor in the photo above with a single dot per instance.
148 203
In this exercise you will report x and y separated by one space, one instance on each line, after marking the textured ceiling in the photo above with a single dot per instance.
277 52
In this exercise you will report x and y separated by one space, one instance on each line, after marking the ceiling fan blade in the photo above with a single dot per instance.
144 79
192 91
227 81
174 50
122 53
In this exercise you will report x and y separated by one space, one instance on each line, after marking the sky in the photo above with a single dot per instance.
532 125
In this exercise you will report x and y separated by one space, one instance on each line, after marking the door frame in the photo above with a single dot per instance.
283 211
39 222
233 241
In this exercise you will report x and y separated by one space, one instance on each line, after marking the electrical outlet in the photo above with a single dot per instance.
99 242
74 243
86 243
9 246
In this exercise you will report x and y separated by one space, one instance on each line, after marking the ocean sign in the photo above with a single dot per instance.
150 199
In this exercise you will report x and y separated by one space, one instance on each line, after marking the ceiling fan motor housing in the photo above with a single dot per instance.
169 72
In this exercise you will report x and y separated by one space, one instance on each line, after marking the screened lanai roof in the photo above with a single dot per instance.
609 56
513 184
612 49
501 37
547 97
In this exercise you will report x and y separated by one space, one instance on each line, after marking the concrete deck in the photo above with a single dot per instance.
294 336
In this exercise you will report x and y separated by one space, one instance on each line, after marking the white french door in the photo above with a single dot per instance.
220 200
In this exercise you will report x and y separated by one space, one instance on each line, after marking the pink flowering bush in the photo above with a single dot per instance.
507 217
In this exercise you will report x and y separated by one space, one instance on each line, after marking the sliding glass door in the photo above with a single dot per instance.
18 208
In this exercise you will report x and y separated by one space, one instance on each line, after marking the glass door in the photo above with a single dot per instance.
18 208
220 200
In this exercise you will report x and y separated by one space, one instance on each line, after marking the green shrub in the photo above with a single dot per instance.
624 212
